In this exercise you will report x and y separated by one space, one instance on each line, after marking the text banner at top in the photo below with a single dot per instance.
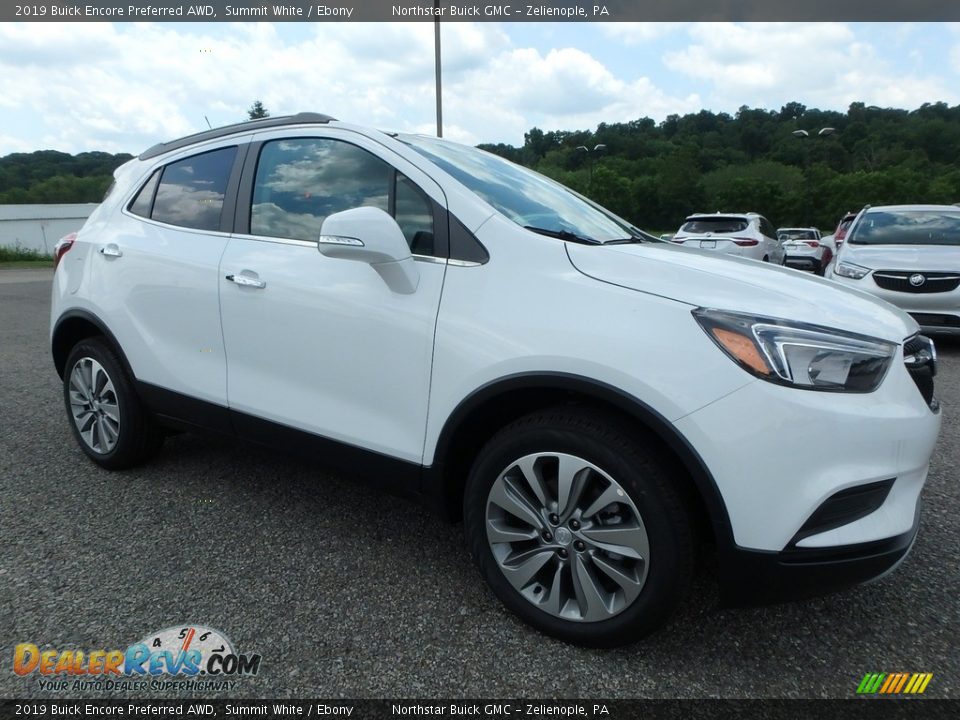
545 11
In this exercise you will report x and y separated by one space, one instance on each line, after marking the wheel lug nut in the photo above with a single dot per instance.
575 524
554 519
547 536
580 546
562 552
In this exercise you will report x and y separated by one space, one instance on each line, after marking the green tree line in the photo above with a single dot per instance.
48 176
654 174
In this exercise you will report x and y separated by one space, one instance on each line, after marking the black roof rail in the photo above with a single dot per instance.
269 122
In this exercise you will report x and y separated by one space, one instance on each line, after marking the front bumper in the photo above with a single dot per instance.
752 577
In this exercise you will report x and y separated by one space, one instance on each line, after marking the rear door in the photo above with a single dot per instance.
322 345
155 275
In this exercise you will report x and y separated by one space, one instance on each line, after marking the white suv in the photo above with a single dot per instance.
745 235
463 331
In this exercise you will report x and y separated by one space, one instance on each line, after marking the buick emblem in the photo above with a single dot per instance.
917 279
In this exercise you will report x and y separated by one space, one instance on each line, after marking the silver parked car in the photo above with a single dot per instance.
908 255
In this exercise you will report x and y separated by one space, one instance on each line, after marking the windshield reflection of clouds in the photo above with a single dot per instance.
908 228
525 197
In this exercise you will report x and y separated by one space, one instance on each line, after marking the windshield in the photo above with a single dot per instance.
908 227
714 225
796 235
525 197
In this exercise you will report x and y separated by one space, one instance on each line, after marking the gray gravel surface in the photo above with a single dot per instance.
347 592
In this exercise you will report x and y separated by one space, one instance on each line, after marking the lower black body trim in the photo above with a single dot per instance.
755 577
182 412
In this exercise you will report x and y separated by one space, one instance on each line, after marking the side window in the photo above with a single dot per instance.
144 200
300 182
191 191
414 215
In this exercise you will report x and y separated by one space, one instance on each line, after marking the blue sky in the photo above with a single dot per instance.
124 86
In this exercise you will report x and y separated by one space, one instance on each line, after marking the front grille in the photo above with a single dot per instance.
936 319
920 357
916 282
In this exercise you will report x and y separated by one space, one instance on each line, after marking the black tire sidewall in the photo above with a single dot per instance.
644 479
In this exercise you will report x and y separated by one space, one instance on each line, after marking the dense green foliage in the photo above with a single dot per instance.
48 176
654 175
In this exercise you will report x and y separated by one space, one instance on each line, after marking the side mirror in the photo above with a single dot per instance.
370 235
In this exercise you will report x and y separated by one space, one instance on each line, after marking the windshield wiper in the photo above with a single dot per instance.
562 235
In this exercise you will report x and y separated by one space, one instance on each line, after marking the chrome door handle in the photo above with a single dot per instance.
246 281
111 250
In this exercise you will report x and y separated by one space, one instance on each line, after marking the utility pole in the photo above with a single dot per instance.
436 50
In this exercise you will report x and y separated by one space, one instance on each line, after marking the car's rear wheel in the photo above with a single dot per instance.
576 526
107 418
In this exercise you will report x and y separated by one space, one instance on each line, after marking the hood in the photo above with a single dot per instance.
704 279
930 258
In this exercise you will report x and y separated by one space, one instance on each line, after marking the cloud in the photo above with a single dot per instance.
638 33
822 64
124 87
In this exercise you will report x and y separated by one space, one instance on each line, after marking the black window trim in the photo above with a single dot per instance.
229 195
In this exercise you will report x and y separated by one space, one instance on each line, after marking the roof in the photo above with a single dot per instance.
909 208
303 118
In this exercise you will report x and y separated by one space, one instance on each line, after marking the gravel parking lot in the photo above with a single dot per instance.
346 592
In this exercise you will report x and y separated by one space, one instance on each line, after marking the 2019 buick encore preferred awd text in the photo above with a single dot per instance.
593 402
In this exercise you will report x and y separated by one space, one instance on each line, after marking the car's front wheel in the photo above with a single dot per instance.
107 418
575 524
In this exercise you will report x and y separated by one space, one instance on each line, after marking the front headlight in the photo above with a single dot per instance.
799 355
849 270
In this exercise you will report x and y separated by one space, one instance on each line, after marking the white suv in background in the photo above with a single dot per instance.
909 255
463 331
745 235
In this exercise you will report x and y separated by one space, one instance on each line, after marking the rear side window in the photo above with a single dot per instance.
714 224
191 191
143 202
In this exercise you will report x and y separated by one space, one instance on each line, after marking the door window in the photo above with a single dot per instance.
299 182
191 191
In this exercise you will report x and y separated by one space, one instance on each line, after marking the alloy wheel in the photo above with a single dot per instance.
94 405
567 537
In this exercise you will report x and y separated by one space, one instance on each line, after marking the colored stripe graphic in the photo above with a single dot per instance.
894 683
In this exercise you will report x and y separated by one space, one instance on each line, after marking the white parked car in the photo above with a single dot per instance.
463 331
909 255
804 249
746 235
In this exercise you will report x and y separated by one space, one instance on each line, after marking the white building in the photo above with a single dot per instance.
38 227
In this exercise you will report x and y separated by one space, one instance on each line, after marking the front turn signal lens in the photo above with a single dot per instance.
742 349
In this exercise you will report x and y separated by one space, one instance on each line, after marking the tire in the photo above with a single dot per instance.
766 259
108 420
568 570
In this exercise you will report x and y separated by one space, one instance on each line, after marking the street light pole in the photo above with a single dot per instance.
590 153
436 52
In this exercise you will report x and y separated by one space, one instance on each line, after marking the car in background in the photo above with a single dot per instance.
842 227
666 236
908 255
804 249
746 235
